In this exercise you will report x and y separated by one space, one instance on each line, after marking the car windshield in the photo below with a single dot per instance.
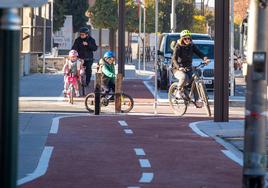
176 38
206 49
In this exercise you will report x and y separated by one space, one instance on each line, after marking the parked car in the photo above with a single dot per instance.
165 76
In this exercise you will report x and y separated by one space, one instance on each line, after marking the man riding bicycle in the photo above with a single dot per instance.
182 62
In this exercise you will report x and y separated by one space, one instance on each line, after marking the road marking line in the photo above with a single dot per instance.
146 177
123 123
194 127
41 167
233 157
145 163
128 131
139 151
55 125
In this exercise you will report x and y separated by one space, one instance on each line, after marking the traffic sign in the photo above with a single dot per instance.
21 3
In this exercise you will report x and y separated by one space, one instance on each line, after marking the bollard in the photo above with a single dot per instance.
97 93
118 91
9 84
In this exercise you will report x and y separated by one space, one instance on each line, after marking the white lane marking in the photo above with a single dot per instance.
55 125
128 131
41 167
139 151
194 127
145 163
146 177
233 157
123 123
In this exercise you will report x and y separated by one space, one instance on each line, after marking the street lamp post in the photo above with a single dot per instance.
254 168
144 38
155 59
139 39
173 16
44 38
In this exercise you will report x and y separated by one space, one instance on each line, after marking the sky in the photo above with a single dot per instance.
211 2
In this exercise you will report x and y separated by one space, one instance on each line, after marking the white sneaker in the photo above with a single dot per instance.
180 94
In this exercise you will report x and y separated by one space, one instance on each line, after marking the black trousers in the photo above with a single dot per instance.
108 86
88 64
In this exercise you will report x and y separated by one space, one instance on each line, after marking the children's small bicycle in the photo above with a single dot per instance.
127 101
72 81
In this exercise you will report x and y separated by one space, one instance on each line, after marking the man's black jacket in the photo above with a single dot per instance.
183 55
85 52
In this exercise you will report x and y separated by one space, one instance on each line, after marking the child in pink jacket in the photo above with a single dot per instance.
72 69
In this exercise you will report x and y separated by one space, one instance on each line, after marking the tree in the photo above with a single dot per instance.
59 14
132 18
185 13
199 24
164 15
104 15
77 8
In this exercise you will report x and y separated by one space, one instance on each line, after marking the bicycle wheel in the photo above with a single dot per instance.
90 102
178 105
204 97
127 103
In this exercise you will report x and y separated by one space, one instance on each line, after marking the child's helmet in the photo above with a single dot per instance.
73 53
108 54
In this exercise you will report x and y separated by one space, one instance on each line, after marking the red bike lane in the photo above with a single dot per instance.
135 151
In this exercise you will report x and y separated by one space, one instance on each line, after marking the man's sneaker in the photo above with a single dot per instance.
198 103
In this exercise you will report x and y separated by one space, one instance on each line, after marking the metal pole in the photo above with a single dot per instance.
232 46
241 51
254 167
139 40
221 85
9 87
144 38
155 59
52 25
44 39
97 94
173 16
121 55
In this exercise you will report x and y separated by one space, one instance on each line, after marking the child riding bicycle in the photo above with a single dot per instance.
72 70
106 68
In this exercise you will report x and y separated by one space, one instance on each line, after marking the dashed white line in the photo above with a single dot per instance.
55 125
146 177
123 123
139 151
128 131
41 167
145 163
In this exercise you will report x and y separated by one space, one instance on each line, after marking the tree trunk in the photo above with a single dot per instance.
100 42
112 43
